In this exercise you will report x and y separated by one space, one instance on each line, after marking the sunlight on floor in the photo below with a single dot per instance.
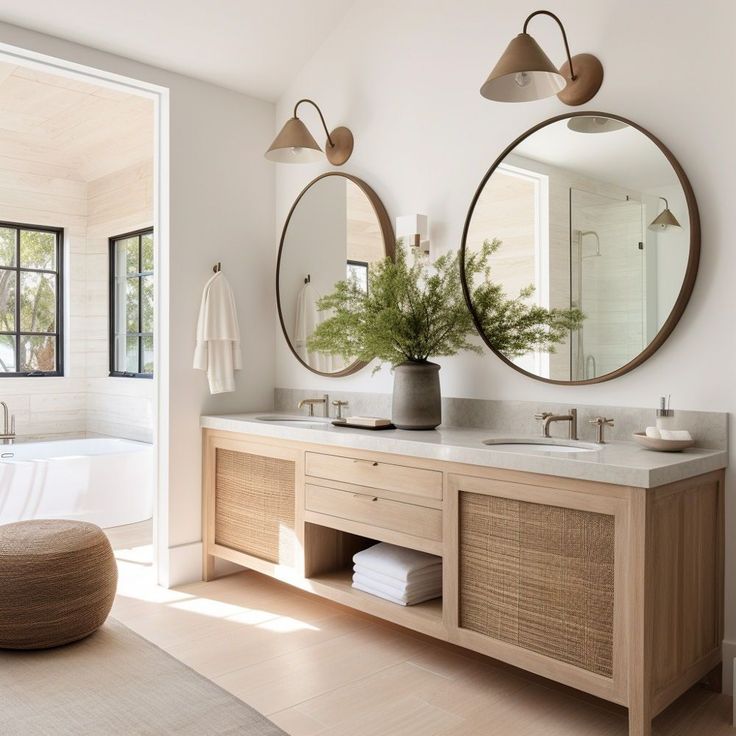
136 582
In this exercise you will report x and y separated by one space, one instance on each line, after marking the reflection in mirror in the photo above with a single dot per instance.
572 212
336 229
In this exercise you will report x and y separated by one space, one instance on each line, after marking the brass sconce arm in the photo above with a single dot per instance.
321 117
562 30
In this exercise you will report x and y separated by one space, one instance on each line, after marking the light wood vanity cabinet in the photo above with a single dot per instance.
614 590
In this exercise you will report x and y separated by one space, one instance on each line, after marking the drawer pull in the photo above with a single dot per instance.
370 462
364 497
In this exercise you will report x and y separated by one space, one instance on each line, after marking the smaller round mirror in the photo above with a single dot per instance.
336 229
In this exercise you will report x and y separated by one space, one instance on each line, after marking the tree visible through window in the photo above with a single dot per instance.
131 304
30 300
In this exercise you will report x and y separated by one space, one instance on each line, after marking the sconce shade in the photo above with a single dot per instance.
664 220
294 144
523 73
594 124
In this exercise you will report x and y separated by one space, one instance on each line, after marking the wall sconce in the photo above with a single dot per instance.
665 219
524 72
414 230
295 144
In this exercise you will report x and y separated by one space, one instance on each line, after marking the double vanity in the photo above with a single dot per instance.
599 566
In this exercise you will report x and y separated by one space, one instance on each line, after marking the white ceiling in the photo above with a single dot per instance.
253 46
86 130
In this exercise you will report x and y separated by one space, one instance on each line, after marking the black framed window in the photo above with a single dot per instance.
358 271
131 304
31 311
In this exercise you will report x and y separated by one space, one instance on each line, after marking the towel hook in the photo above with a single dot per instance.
217 267
308 279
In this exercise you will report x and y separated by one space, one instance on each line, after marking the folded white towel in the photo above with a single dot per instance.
386 596
675 434
396 562
407 594
422 577
653 432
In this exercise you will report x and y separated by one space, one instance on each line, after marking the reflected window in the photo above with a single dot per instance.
357 271
131 304
30 300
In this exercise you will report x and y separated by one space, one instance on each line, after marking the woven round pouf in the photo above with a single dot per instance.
57 582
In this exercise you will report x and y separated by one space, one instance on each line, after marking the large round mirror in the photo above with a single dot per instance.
336 228
580 249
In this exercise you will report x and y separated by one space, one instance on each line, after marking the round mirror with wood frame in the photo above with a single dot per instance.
335 230
587 233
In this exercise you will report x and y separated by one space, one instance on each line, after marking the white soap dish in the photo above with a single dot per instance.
659 445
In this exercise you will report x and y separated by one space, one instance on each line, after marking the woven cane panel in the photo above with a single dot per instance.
539 577
254 505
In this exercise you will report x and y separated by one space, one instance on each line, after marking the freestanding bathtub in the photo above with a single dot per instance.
106 481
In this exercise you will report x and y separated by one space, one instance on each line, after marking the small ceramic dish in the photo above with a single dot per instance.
652 443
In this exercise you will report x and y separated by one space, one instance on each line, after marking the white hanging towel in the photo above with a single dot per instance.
307 319
218 336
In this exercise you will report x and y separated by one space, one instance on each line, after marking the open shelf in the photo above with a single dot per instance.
330 574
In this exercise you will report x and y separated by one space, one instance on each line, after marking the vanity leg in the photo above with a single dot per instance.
640 721
639 616
208 568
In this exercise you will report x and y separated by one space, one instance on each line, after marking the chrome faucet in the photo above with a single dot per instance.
325 400
548 418
8 435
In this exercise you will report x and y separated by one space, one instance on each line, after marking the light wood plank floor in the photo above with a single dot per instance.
318 669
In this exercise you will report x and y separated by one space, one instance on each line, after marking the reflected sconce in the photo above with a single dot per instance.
295 145
414 230
524 72
665 219
595 124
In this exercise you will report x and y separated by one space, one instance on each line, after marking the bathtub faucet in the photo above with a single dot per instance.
8 435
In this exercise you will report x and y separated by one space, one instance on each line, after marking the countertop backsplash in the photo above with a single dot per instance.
710 429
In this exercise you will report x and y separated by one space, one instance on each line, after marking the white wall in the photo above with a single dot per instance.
405 78
221 192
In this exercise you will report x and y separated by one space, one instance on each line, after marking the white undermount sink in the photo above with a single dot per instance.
541 444
291 420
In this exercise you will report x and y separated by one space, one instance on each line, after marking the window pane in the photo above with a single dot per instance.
132 295
147 252
37 249
127 254
7 300
37 302
7 354
131 355
38 353
147 303
7 246
148 354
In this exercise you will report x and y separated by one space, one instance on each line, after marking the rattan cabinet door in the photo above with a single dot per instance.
539 577
254 509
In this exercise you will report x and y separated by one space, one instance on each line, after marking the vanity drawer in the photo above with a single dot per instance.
418 521
387 476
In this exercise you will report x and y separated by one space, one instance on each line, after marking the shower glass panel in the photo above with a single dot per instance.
607 282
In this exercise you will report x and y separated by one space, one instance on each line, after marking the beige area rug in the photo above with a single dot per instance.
116 683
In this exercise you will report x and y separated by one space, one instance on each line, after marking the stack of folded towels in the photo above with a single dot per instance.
399 575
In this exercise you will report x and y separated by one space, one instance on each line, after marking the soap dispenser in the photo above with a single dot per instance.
665 415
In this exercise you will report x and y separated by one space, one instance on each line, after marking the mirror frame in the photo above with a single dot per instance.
389 247
688 281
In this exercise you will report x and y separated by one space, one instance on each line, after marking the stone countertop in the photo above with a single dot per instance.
622 463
